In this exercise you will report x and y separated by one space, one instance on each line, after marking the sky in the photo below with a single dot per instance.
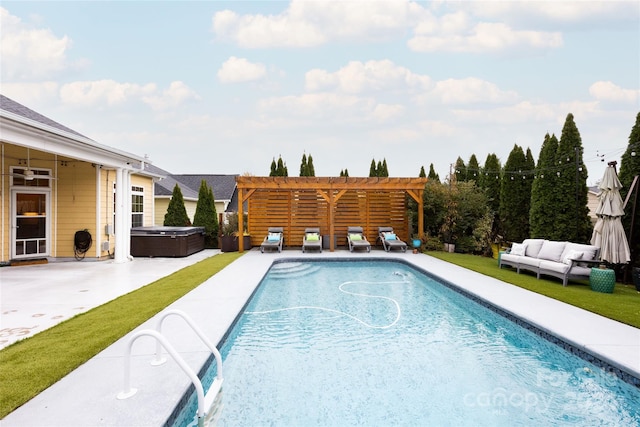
225 87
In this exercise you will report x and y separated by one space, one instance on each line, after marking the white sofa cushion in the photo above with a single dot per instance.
571 255
518 249
552 251
529 261
557 267
588 251
533 247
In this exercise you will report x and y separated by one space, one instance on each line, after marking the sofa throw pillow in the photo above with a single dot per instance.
518 249
552 251
572 255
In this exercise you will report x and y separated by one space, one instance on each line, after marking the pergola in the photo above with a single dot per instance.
331 204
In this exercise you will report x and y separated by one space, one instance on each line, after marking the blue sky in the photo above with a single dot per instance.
224 87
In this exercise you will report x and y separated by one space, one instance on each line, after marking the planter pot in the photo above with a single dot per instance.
635 275
229 244
246 242
450 247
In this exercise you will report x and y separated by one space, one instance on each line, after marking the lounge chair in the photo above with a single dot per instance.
390 240
357 239
312 239
273 240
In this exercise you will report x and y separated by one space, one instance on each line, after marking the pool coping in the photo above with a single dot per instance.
87 396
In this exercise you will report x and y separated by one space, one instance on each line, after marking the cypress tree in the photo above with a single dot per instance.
176 215
310 169
629 169
304 170
573 222
372 169
206 215
489 181
379 169
422 173
273 168
433 176
515 197
460 170
473 169
384 171
542 216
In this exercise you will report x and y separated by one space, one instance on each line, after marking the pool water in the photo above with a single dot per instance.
380 344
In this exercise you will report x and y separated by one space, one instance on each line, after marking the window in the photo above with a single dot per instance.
137 206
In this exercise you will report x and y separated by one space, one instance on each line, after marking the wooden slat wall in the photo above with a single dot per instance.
296 210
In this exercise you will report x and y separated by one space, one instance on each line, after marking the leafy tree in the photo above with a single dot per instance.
433 176
474 219
515 197
176 215
572 213
630 168
542 216
206 215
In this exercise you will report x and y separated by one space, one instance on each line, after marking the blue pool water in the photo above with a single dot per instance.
381 344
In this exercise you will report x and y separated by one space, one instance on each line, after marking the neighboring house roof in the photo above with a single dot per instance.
223 186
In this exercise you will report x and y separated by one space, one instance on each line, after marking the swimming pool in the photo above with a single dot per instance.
380 343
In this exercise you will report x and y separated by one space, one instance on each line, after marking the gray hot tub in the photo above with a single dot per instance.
166 241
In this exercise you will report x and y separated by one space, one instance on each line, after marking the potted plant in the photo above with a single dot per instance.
229 230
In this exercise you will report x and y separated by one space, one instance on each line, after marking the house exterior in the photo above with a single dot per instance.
592 202
56 182
223 186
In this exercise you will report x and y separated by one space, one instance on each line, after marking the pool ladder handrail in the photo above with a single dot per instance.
204 401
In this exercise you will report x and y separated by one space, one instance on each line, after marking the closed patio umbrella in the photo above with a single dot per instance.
608 233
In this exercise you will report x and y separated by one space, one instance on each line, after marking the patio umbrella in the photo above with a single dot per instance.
608 233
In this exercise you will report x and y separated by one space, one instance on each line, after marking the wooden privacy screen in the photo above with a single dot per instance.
331 204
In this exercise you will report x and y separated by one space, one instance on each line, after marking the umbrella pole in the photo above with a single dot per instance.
632 242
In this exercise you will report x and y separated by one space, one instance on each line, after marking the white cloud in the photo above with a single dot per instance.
358 77
40 93
608 91
29 53
483 37
109 92
317 106
236 70
311 23
470 91
384 112
174 96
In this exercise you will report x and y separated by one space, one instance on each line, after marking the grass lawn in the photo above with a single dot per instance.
33 364
622 305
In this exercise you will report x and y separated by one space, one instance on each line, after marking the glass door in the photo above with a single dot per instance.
30 234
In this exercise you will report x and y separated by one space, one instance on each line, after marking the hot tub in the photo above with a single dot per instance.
166 241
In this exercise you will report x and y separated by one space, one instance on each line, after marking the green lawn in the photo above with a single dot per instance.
622 305
31 365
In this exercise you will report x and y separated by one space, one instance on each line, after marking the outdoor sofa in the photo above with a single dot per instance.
564 260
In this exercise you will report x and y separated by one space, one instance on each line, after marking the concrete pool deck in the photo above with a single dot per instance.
88 395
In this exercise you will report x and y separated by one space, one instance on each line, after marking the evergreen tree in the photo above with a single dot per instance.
422 173
489 181
384 171
206 215
311 170
542 217
515 197
176 215
572 214
304 169
460 170
373 171
433 176
629 169
379 169
273 168
344 173
473 169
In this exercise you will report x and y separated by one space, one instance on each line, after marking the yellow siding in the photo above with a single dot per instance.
161 206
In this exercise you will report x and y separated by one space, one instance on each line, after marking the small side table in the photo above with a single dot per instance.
602 280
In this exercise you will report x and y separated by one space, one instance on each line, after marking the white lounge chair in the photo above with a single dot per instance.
312 239
390 240
273 240
357 239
